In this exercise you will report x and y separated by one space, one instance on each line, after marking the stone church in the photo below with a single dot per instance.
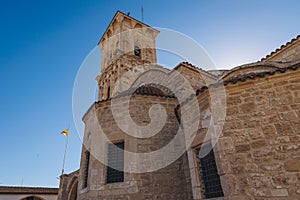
252 152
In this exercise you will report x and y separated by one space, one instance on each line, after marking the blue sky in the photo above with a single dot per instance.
43 44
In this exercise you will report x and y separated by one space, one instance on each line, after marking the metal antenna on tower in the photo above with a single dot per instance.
142 14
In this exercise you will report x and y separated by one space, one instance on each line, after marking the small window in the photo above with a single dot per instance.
115 163
137 51
108 92
31 198
86 169
210 179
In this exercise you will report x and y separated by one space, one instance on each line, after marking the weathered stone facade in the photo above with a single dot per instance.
24 193
68 186
152 185
258 150
256 146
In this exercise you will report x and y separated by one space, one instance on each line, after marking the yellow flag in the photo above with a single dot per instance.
65 132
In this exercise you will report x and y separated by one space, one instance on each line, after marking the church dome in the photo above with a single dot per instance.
148 90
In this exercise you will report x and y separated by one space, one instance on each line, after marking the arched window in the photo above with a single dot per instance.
73 191
86 169
31 198
108 92
209 177
109 33
137 51
138 26
115 161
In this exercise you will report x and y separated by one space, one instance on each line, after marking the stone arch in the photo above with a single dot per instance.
138 30
71 183
114 24
72 188
109 33
73 191
126 23
147 75
108 92
137 25
32 197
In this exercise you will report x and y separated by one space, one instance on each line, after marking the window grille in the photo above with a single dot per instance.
115 163
209 176
86 169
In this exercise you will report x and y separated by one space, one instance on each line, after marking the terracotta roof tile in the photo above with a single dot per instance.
282 47
242 78
251 76
196 68
147 90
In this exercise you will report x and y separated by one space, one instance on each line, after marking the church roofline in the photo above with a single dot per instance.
282 48
89 109
27 190
114 17
195 68
253 75
71 173
146 90
289 66
270 64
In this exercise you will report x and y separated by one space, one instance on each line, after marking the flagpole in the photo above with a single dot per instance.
63 167
67 141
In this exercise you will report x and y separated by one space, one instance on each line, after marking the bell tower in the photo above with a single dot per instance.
127 45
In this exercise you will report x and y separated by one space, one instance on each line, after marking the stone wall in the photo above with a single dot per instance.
19 193
23 196
258 152
170 182
120 74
